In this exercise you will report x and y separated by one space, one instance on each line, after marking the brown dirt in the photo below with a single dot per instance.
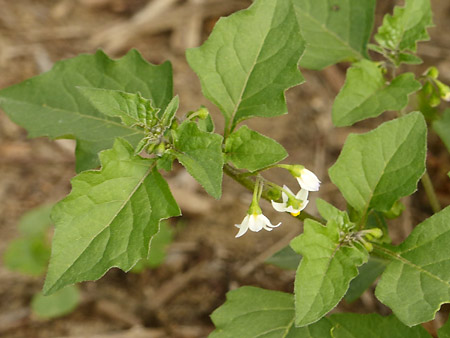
206 260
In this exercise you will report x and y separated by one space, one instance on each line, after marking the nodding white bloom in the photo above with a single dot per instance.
307 179
294 206
255 222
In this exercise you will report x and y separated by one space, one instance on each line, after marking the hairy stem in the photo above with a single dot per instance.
431 193
250 185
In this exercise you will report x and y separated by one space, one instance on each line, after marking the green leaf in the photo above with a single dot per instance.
108 219
406 27
51 105
169 114
324 274
352 325
28 255
248 149
58 304
327 210
444 331
251 312
365 93
249 60
377 168
334 31
286 259
416 282
133 109
367 274
409 59
36 221
201 154
442 128
158 248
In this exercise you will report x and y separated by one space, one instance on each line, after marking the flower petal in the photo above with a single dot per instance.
281 207
255 223
243 227
242 230
302 195
267 222
308 180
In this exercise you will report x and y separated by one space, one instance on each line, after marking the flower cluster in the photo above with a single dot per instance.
294 204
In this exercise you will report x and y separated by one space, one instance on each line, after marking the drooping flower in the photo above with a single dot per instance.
307 179
292 205
255 222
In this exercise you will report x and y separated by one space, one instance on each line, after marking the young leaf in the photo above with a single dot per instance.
377 168
56 305
352 325
334 31
169 114
327 210
367 274
250 150
133 109
201 154
249 60
36 221
406 27
409 59
286 259
442 128
252 312
108 219
28 255
365 93
51 105
324 274
416 282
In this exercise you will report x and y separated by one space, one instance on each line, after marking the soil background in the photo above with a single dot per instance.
205 260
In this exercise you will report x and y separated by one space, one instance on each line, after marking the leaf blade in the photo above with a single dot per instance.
60 110
366 95
416 282
352 325
325 271
377 168
334 32
108 219
249 60
248 149
201 154
272 310
408 25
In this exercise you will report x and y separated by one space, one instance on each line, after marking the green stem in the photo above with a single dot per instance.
250 185
431 194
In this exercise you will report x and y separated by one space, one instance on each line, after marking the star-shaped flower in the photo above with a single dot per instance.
293 203
255 222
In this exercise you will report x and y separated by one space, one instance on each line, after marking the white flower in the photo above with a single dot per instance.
255 222
308 180
294 207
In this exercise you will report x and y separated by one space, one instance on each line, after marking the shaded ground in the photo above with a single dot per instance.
206 260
